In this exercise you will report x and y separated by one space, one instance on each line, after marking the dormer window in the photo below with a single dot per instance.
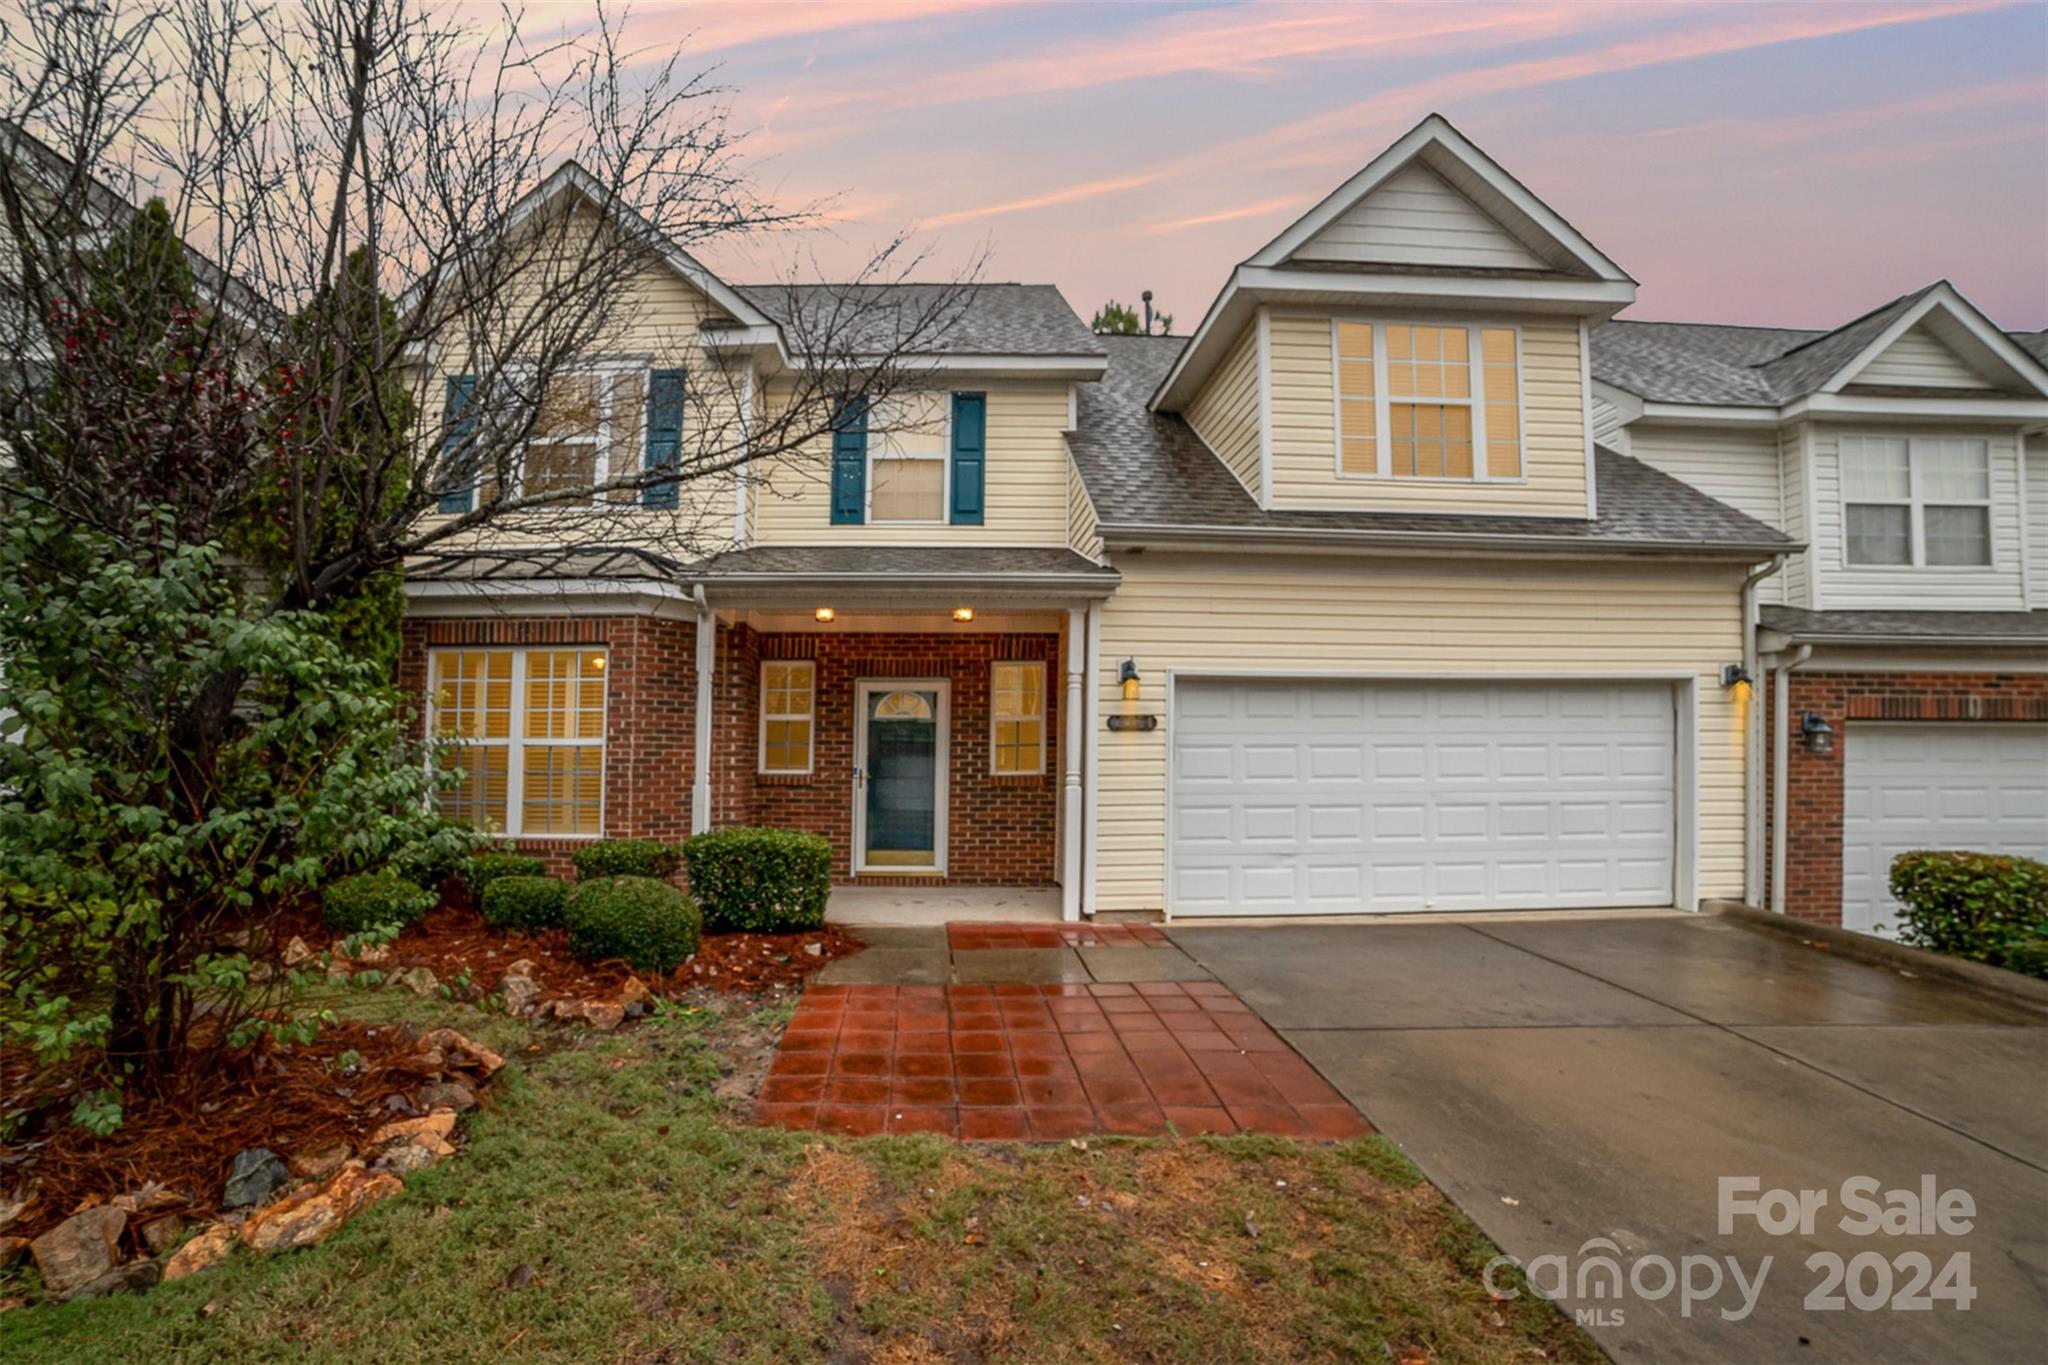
1420 401
1916 501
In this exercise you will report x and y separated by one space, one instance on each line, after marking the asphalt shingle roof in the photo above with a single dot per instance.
909 561
969 319
2016 627
1146 469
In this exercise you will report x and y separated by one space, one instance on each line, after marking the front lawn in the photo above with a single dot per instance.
611 1204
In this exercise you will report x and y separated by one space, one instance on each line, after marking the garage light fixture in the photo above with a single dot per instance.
1127 675
1818 734
1735 675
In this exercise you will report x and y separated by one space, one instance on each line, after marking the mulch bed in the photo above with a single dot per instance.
287 1098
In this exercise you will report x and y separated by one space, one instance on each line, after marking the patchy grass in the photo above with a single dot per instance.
610 1182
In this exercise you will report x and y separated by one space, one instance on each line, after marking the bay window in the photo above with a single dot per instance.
1916 501
525 729
1416 401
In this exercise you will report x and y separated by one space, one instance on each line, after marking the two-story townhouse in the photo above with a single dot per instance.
1905 648
1333 606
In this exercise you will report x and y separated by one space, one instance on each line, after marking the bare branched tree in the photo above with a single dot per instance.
384 213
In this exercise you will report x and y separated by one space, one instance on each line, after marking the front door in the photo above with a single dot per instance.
900 776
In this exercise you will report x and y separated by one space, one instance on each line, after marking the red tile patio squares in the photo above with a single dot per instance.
1015 1063
966 936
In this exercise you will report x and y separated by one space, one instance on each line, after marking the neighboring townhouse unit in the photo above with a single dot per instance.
1906 646
1377 593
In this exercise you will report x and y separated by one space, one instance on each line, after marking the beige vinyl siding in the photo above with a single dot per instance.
1083 528
2035 452
1839 587
1226 412
1025 497
1792 495
1415 218
1919 359
1286 615
1737 465
1305 431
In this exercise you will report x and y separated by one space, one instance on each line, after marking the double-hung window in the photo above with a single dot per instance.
1916 501
1017 717
588 430
788 703
908 452
1427 402
524 728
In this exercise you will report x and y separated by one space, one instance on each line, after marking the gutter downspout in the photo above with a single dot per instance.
1753 742
1779 783
700 754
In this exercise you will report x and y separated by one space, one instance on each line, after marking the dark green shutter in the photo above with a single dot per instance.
850 464
664 436
970 446
461 424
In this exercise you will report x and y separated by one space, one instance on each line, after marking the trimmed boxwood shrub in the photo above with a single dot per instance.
643 920
479 872
627 858
764 881
369 899
1982 906
521 902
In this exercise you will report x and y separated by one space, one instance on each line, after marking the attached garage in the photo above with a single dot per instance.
1980 787
1306 796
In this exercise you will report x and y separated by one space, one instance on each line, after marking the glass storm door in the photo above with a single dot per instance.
901 775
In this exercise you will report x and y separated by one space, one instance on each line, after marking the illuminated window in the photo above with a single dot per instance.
1427 402
788 702
1017 717
525 729
588 430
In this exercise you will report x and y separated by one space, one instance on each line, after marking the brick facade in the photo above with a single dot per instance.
1001 831
1813 840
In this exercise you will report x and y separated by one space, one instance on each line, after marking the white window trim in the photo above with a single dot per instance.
995 717
516 741
1382 401
1916 506
761 730
945 460
608 370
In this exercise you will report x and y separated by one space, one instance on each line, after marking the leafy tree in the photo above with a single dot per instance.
1117 320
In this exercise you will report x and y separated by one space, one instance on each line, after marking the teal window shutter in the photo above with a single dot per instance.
850 464
970 447
664 436
461 430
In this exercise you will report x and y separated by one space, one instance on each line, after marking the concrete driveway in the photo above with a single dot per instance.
1566 1081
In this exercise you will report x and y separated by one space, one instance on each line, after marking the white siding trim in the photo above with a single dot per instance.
1586 389
1265 325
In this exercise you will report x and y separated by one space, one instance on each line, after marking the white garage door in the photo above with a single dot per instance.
1983 788
1306 797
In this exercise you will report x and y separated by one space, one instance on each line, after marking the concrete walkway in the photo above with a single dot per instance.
1570 1081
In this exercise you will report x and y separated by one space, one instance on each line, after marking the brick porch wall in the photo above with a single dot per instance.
1813 840
650 678
1001 831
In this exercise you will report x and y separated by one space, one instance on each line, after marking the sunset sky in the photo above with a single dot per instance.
1786 164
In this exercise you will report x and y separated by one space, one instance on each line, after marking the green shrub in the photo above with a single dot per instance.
479 872
766 881
519 902
1981 906
643 920
627 858
2028 956
369 899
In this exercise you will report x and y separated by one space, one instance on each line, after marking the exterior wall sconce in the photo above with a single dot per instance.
1127 676
1818 734
963 614
825 614
1735 675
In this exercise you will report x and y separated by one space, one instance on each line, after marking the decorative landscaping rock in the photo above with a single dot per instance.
439 1124
635 992
462 1052
420 981
12 1206
79 1250
149 1199
11 1249
320 1163
415 1154
447 1095
604 1014
308 1217
521 993
369 956
256 1175
296 952
426 1062
203 1252
159 1234
134 1278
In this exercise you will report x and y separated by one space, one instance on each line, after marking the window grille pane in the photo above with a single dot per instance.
1954 471
555 466
479 798
1880 534
563 789
1875 469
1957 535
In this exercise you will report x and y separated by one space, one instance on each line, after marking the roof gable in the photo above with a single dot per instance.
1939 339
1414 217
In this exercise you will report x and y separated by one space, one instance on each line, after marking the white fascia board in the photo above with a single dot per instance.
1958 409
1964 314
1436 130
543 597
1710 414
1226 315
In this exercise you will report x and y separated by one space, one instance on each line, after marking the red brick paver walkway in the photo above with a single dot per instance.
1043 1062
968 935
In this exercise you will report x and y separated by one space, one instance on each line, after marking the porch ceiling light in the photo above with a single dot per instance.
963 613
1818 734
825 614
1127 674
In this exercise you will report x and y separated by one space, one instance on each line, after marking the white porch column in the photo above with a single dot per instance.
700 751
1073 723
